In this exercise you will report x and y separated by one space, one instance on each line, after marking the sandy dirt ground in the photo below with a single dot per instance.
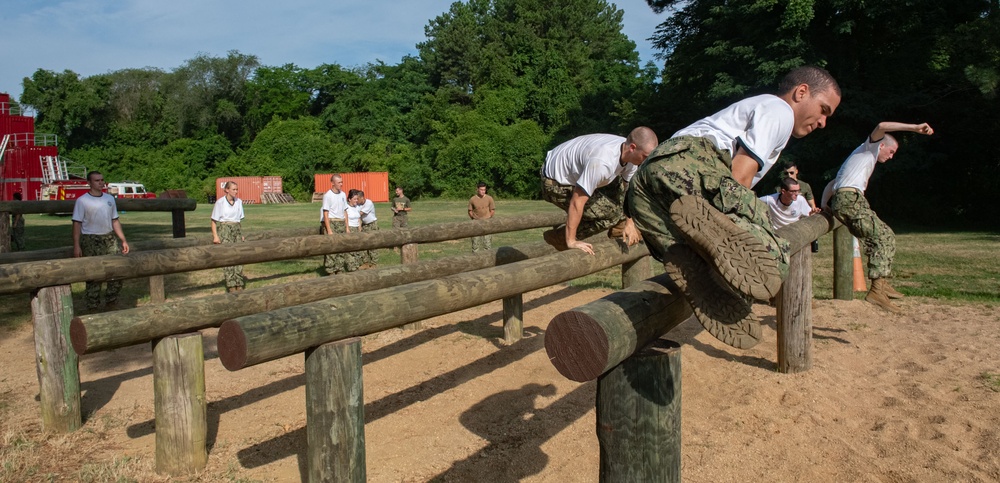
890 398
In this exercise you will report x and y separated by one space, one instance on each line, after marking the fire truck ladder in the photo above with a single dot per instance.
55 168
3 147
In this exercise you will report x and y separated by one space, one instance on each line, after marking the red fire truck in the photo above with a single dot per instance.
30 163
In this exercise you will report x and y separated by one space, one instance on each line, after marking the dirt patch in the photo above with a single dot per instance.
889 398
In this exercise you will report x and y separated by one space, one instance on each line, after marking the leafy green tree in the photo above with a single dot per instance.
74 109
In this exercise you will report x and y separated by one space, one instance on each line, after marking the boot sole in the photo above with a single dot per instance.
735 254
722 312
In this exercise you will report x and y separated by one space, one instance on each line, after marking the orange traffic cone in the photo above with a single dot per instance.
859 269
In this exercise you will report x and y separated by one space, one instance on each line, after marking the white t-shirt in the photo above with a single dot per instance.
334 203
228 213
782 215
854 173
368 212
353 216
761 124
589 161
95 213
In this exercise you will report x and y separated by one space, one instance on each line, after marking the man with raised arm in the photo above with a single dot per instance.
692 201
849 205
587 177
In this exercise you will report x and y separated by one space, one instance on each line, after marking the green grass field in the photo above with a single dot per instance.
957 266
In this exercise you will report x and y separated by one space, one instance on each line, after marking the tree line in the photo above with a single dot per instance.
496 83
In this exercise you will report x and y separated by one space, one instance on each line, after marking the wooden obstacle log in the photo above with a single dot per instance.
21 277
57 365
335 412
794 316
639 416
123 204
585 342
110 330
843 264
637 271
5 229
179 404
513 319
263 337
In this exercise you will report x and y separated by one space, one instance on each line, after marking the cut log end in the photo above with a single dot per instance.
577 346
232 345
78 336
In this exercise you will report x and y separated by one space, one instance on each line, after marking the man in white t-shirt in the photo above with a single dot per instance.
369 222
692 201
846 197
333 220
787 206
96 231
587 176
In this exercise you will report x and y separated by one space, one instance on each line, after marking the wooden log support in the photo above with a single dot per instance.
795 316
157 290
177 222
57 365
843 264
637 271
409 255
110 330
23 277
513 319
179 404
5 229
585 342
639 417
259 338
335 413
123 204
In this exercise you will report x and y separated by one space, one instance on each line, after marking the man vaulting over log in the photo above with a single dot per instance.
693 204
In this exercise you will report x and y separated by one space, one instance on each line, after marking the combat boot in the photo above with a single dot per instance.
877 295
723 312
742 260
891 292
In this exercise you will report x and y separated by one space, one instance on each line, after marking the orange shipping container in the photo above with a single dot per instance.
375 184
251 187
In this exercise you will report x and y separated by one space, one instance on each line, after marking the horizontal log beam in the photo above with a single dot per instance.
24 277
254 339
110 330
587 341
123 204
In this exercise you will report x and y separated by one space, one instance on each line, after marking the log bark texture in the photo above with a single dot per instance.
179 404
110 330
21 277
259 338
5 232
637 271
843 264
123 204
795 316
56 363
513 318
639 417
335 413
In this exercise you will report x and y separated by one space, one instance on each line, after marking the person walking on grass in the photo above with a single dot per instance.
586 177
848 203
692 201
369 222
352 214
332 222
97 231
481 207
227 213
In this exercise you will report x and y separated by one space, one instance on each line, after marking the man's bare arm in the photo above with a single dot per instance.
889 126
573 216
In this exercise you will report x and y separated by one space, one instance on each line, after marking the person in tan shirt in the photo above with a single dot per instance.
481 207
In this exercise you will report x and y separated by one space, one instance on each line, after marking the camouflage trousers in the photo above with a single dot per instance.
878 240
231 233
694 166
17 234
371 256
399 221
602 211
337 262
96 245
482 242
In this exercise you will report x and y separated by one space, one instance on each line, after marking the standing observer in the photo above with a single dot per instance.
226 216
95 229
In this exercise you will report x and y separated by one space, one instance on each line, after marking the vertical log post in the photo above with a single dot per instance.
639 416
179 404
513 319
636 271
180 231
56 362
408 254
335 413
795 315
5 229
843 264
157 291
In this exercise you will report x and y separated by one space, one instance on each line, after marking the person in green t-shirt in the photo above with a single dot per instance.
400 209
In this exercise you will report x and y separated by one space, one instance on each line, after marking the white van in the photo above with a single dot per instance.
129 189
